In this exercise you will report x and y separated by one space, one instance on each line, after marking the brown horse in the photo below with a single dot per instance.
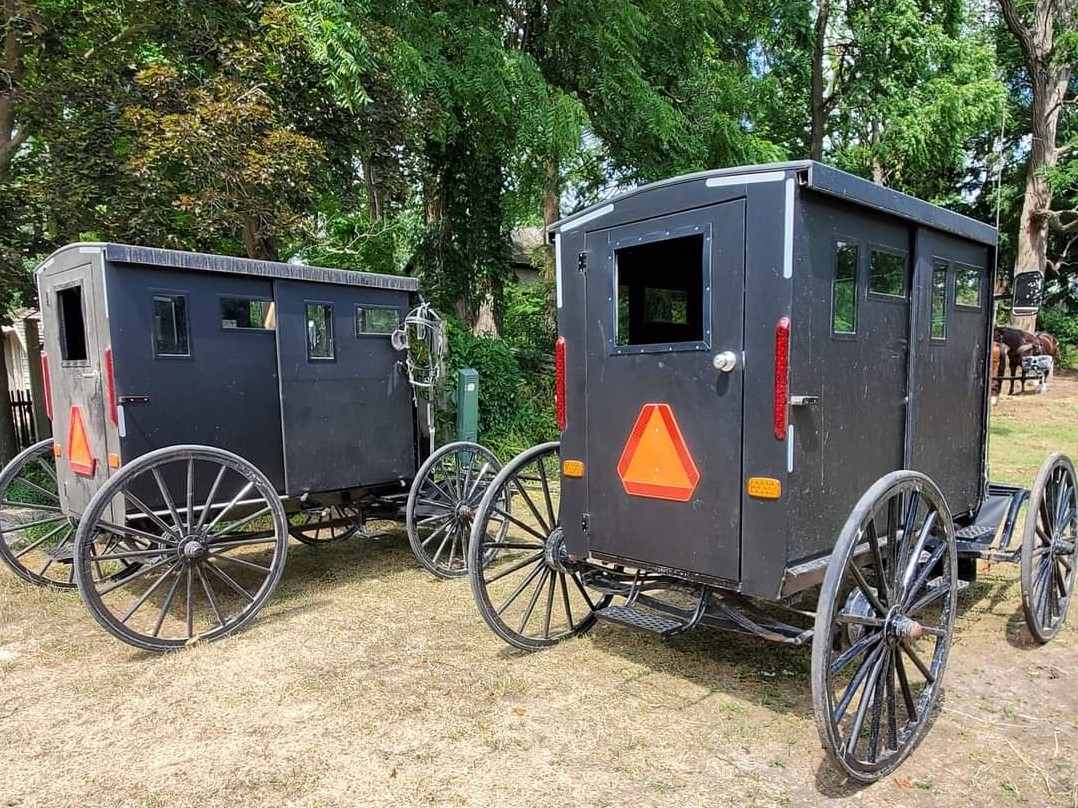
1018 344
998 349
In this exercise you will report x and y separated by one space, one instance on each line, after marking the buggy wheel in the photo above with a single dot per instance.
36 538
322 525
1048 548
209 535
527 588
445 494
884 624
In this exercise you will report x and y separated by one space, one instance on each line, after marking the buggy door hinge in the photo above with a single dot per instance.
582 261
585 523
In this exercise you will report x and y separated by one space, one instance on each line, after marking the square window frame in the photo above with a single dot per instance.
612 347
948 297
374 334
883 296
332 331
858 274
957 267
72 363
173 293
243 329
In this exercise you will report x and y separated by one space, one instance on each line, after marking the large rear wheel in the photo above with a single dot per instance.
884 625
208 534
36 538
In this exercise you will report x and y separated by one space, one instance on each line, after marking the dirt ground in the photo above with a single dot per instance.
367 682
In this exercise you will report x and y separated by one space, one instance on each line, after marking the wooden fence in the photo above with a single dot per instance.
22 414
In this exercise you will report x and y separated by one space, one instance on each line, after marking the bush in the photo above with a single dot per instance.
1064 327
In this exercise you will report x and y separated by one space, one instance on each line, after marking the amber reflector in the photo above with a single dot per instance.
764 488
114 461
572 468
57 450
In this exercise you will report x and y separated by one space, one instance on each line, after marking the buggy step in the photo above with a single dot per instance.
644 621
977 533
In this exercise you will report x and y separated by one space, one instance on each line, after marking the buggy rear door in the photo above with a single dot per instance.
663 431
73 325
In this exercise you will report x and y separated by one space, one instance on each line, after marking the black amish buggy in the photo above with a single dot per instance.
772 386
205 408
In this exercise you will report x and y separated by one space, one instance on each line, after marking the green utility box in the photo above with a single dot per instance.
468 404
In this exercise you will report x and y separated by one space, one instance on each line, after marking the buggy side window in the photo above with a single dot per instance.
887 273
244 312
967 287
377 321
660 287
320 331
844 289
170 336
72 324
939 300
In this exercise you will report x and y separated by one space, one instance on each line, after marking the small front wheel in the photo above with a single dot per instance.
528 590
183 544
1048 548
884 624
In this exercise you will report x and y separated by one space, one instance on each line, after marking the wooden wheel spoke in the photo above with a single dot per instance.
28 483
862 708
134 607
877 561
855 650
234 526
907 691
166 495
128 579
522 525
914 558
210 596
208 504
128 530
584 592
165 605
230 581
243 492
52 520
42 539
916 660
565 600
515 567
520 588
919 582
549 604
478 479
239 562
34 506
524 495
855 683
533 600
866 589
149 514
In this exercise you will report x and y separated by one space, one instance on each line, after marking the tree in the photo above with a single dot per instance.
1049 60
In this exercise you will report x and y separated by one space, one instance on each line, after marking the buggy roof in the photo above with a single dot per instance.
818 177
204 262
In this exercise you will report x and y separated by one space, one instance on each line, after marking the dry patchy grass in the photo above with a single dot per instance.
367 682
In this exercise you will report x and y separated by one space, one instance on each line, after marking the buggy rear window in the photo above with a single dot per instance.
237 312
887 273
939 300
844 289
967 287
72 324
660 288
170 335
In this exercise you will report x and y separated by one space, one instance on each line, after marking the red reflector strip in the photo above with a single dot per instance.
47 383
110 387
559 382
781 417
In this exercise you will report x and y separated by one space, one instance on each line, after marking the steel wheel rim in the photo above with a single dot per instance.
528 590
314 526
874 693
206 562
443 503
36 538
1048 548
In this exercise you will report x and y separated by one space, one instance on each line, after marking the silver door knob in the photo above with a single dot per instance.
725 361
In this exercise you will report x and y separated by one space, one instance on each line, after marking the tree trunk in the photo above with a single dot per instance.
1049 78
819 103
12 70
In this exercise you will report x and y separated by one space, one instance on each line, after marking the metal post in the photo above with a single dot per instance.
468 404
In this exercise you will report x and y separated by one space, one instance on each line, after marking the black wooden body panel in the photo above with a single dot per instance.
224 394
948 376
346 421
856 433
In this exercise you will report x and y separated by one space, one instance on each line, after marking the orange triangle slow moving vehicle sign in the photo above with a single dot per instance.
655 461
79 456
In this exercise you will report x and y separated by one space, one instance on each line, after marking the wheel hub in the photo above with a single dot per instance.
899 627
555 553
193 548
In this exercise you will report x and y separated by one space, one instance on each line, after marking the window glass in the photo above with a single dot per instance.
376 321
967 287
661 292
844 289
939 300
319 331
887 274
170 325
72 324
241 312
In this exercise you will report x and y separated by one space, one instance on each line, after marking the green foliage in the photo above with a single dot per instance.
1064 327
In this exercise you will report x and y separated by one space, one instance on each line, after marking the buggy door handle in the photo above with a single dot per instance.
124 400
803 401
725 361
